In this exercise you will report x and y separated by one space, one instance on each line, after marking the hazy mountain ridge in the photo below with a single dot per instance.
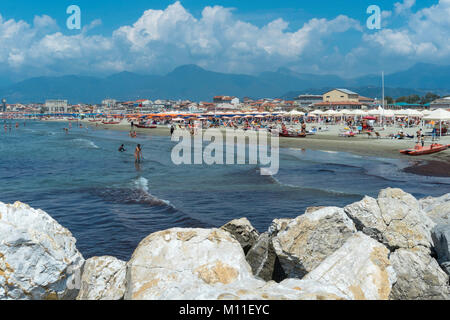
197 84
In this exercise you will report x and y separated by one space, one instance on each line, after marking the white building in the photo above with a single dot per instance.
109 103
443 103
56 106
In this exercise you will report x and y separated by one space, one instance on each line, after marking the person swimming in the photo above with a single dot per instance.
138 153
122 148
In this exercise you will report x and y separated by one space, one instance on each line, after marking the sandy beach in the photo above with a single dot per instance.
431 165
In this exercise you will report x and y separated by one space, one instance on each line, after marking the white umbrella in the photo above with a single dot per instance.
330 113
439 115
388 113
296 113
317 112
178 119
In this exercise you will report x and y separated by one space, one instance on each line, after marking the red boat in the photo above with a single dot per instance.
419 150
286 134
143 126
110 122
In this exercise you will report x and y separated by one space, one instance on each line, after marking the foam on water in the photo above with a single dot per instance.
85 143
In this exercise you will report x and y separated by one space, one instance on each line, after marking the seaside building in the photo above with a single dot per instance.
307 100
443 103
340 95
56 106
366 101
226 100
349 105
109 103
4 105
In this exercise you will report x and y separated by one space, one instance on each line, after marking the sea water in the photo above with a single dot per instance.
110 204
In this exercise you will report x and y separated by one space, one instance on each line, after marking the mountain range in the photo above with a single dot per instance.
197 84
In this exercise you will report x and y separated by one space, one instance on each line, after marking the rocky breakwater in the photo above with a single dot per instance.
391 247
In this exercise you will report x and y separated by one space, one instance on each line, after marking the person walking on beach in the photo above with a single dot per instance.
172 129
138 153
419 135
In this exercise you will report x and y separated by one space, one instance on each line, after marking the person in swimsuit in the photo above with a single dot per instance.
138 153
122 148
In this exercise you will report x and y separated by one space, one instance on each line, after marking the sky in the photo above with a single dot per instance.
156 36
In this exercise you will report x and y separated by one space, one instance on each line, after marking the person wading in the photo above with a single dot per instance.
138 153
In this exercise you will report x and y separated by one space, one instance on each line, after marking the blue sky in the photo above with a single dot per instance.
320 36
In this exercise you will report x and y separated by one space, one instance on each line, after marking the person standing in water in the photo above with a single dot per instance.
138 153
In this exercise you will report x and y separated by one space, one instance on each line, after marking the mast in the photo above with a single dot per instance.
382 81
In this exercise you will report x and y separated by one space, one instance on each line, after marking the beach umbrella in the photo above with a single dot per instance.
296 113
177 119
331 113
317 112
439 115
388 113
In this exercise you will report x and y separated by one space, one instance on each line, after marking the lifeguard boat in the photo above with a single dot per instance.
419 150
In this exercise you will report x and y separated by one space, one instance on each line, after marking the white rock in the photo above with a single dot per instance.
419 276
360 269
192 264
38 257
438 209
395 219
103 278
310 238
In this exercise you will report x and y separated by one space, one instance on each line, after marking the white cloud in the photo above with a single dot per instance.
163 39
404 7
425 37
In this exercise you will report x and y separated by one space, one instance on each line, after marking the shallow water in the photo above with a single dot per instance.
110 205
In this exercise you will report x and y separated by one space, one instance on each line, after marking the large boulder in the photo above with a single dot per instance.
191 264
438 209
243 231
310 238
264 261
38 257
441 240
103 278
395 219
419 276
360 269
262 257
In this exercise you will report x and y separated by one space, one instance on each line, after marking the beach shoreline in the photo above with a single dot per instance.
435 165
